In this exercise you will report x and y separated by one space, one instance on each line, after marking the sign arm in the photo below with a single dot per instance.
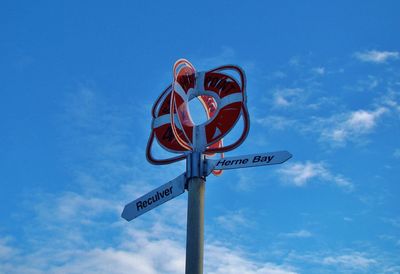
252 160
155 198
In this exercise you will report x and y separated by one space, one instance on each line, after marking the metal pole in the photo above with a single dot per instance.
195 226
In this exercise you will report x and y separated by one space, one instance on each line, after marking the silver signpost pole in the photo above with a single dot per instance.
224 100
195 227
195 214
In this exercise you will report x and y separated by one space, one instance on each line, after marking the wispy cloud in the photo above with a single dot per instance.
392 221
391 100
370 83
339 129
144 255
6 250
227 261
232 221
322 111
154 245
295 61
277 75
318 70
394 240
353 261
81 231
366 83
245 181
277 122
347 219
369 260
301 174
375 56
396 153
297 234
287 97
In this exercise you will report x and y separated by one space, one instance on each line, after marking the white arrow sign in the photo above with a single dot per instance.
258 159
154 198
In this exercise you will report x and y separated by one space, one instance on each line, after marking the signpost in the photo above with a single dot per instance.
222 93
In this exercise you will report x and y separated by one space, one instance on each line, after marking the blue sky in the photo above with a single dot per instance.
77 83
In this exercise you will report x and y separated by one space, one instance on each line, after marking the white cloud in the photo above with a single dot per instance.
281 101
146 247
349 126
318 70
288 97
147 256
231 221
370 83
79 233
363 120
396 153
354 260
300 174
226 261
391 100
392 221
375 56
367 83
277 75
153 244
6 250
72 206
294 61
390 239
275 122
246 181
297 234
369 260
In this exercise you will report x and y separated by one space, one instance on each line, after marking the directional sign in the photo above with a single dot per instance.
155 198
258 159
